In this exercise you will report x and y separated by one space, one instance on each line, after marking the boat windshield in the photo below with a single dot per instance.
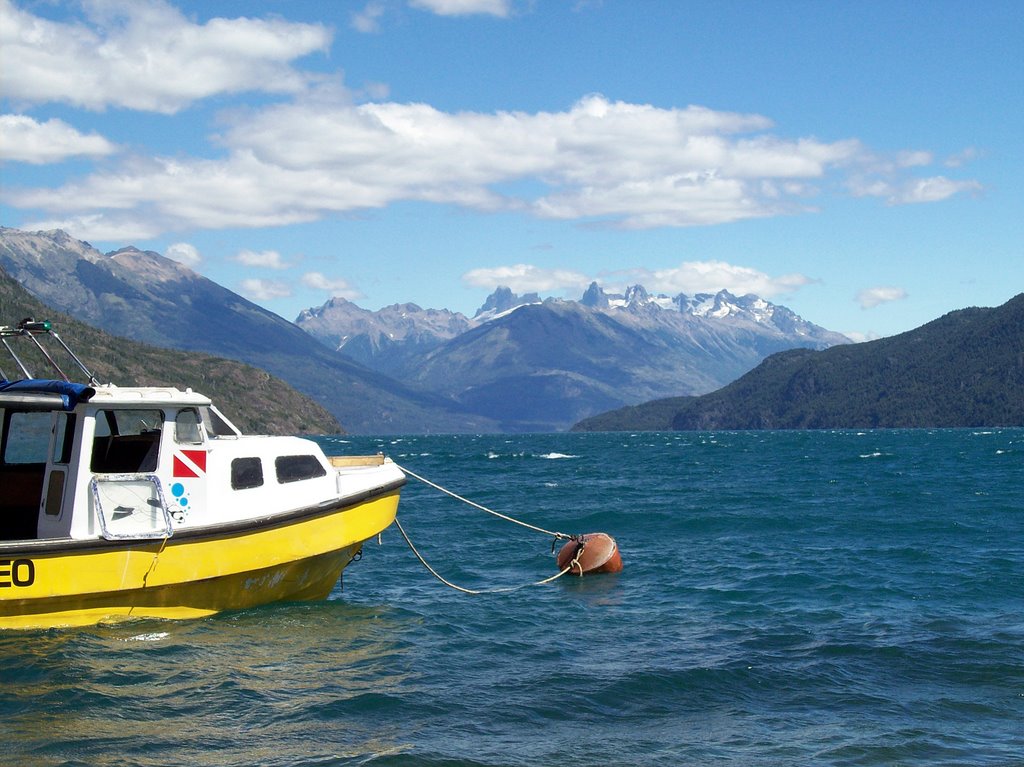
216 424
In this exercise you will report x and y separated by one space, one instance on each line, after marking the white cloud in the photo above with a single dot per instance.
500 8
184 253
267 259
968 155
526 278
98 226
376 91
368 19
933 189
337 286
872 297
692 277
264 290
146 198
146 55
599 162
912 159
23 139
859 336
866 186
621 164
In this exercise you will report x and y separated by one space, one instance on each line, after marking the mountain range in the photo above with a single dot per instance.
233 386
520 364
143 296
965 369
536 365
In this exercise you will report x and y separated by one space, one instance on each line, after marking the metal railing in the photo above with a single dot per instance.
36 337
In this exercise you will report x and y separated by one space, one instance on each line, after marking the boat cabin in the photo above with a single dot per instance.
87 461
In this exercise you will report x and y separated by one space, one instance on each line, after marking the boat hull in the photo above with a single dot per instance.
298 557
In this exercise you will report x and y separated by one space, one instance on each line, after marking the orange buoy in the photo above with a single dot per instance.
590 553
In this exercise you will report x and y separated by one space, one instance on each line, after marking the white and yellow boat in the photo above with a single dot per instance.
123 502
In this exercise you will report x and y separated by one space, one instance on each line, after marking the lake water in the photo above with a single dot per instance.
788 598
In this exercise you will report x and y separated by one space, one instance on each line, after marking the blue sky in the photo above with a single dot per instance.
859 162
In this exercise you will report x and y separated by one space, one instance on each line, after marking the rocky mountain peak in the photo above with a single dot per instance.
595 297
637 295
131 250
149 265
333 307
502 300
54 245
720 305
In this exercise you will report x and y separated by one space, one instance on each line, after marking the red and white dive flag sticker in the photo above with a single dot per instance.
190 463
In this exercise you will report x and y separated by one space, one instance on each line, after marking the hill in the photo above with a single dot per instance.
255 401
965 369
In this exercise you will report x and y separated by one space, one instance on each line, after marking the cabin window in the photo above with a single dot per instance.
126 441
246 473
293 468
27 437
186 427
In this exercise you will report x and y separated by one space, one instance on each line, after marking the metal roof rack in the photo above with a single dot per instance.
30 332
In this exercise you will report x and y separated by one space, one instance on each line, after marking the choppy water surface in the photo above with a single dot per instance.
788 598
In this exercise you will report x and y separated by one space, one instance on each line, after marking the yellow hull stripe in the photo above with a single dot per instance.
188 577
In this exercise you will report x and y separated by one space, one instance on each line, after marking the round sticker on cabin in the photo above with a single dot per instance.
180 496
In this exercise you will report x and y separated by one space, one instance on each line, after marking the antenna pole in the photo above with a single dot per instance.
14 356
88 373
46 354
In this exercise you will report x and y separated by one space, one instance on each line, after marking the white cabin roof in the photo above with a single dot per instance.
109 394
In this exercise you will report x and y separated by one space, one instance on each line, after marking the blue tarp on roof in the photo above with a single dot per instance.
70 394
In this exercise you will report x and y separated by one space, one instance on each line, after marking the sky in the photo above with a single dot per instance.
859 161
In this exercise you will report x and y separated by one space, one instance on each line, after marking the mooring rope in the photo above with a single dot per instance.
152 567
504 589
498 514
556 535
